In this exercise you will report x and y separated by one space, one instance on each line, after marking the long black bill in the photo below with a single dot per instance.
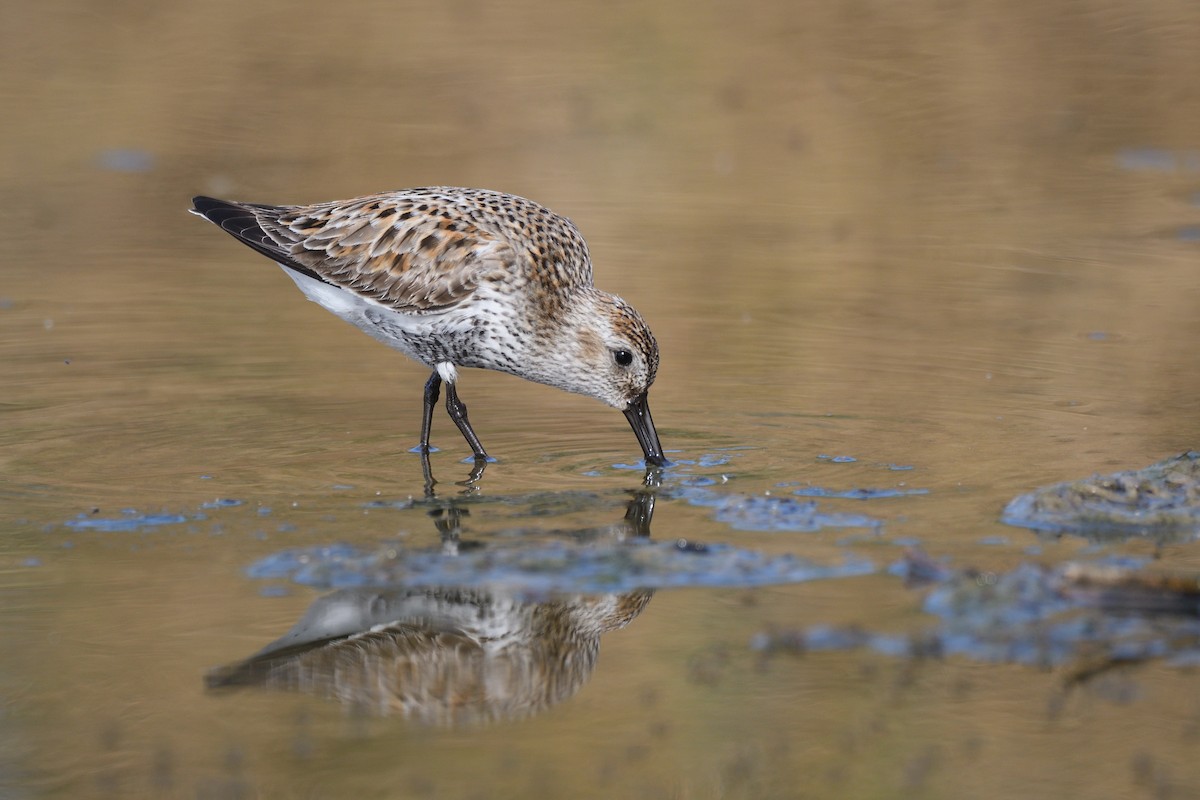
638 414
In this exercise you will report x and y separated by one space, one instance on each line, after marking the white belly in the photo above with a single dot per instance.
435 339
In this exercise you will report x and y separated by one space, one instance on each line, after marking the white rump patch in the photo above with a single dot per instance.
393 328
331 298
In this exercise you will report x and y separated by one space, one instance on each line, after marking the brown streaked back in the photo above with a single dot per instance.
414 250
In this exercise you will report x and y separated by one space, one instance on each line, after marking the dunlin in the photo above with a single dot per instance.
462 278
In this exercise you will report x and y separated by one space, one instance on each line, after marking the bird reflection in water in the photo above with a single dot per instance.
448 655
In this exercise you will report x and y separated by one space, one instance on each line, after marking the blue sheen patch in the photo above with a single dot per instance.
718 459
221 502
536 569
289 562
771 513
837 459
1084 614
698 480
132 522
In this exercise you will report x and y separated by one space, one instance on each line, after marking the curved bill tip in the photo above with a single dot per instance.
638 414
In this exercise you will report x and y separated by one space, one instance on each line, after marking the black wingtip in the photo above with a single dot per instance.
214 210
241 221
201 204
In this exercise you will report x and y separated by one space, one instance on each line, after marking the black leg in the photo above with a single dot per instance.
430 481
432 390
458 412
639 513
476 474
471 481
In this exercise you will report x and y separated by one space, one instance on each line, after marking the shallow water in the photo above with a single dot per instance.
905 263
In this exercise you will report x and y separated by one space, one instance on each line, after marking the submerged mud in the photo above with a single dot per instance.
1159 501
1082 616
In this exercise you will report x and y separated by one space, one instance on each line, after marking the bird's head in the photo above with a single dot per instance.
605 350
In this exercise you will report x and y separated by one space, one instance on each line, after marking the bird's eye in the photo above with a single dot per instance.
623 357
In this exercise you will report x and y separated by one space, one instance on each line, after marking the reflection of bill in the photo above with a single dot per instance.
445 655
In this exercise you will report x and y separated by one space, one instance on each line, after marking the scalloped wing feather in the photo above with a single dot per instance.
399 250
417 250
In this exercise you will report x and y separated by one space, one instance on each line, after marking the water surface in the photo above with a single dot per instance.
905 263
